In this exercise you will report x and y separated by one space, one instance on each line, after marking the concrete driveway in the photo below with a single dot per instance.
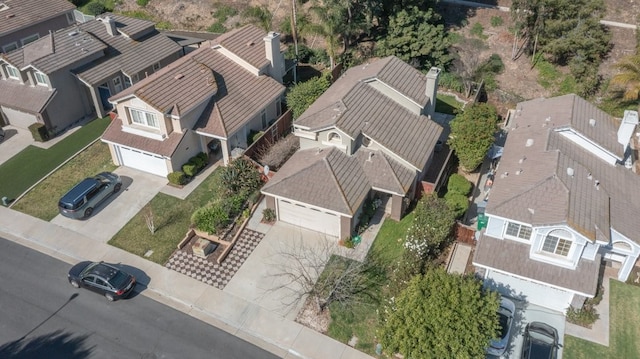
138 188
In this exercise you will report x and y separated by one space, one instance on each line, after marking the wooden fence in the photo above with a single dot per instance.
272 134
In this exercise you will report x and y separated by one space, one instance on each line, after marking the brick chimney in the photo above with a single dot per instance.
431 91
110 23
273 54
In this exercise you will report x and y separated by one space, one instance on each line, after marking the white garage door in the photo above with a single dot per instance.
542 295
309 218
18 118
142 161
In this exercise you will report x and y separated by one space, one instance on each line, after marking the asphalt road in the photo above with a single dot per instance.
42 316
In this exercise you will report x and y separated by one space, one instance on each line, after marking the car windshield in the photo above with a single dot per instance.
504 317
119 280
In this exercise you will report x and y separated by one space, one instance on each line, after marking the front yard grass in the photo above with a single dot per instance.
624 311
362 320
172 217
42 200
33 163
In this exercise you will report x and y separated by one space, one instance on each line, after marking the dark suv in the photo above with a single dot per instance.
80 201
102 278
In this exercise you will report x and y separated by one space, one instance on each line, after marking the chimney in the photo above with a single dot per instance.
431 91
111 25
273 54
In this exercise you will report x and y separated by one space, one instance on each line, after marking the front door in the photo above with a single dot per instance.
105 93
117 84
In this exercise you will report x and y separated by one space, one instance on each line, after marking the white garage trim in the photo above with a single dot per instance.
141 160
18 118
533 292
308 217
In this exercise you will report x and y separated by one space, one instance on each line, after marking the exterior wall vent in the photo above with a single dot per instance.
592 122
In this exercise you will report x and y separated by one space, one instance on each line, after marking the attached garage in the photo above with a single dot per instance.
18 118
532 292
142 161
308 217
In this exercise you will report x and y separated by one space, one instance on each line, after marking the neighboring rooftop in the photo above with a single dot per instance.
18 14
247 43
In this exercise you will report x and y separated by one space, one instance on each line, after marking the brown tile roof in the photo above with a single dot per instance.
544 193
513 257
356 108
166 147
384 173
326 178
247 43
25 98
24 13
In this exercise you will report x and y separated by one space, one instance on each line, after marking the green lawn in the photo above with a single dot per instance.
33 163
447 104
42 200
624 332
172 217
362 320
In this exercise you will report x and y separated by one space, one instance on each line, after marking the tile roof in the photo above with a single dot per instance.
129 55
165 147
24 13
247 43
356 108
25 98
513 257
330 179
544 192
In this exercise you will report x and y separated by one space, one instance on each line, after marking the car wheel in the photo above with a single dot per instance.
75 283
87 212
109 297
117 187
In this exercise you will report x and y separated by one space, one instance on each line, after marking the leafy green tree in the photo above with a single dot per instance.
629 77
440 315
303 94
472 134
417 37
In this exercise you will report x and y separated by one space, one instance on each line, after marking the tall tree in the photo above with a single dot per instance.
629 76
440 315
472 134
417 37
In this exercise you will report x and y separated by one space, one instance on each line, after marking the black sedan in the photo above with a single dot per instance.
102 278
540 341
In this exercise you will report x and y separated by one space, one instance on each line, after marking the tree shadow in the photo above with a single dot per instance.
54 345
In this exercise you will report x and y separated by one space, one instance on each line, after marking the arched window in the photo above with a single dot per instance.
334 137
558 242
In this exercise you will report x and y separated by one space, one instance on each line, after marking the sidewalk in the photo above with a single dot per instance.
237 316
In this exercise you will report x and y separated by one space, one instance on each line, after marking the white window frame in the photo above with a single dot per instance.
561 247
334 139
127 81
156 66
143 118
520 234
15 76
10 47
41 79
29 39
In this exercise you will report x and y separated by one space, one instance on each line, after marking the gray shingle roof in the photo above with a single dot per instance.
30 12
513 257
544 185
247 43
384 173
25 98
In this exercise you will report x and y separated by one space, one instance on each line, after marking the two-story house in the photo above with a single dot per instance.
564 199
220 92
68 75
370 134
24 21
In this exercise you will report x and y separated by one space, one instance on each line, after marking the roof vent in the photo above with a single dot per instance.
597 184
529 142
250 43
570 171
504 175
589 176
531 210
178 76
548 119
370 156
73 33
522 159
11 16
592 122
518 172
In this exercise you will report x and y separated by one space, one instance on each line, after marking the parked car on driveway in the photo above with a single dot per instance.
102 278
506 311
81 200
540 341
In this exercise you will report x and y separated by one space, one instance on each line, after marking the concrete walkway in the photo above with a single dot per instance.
239 316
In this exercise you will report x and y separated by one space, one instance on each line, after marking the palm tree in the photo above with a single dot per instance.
629 77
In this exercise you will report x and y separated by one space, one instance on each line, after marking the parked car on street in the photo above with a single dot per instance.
102 278
83 198
506 311
540 341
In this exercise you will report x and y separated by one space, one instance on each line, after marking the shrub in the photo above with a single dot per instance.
189 169
39 132
240 175
177 178
496 21
584 316
203 156
217 28
253 198
278 153
451 81
348 242
142 3
457 203
211 218
198 162
458 184
478 30
95 8
256 136
268 215
234 203
319 56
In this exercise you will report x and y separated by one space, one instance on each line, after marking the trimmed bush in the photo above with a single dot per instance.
39 132
177 178
211 218
189 169
457 203
268 215
204 157
458 184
